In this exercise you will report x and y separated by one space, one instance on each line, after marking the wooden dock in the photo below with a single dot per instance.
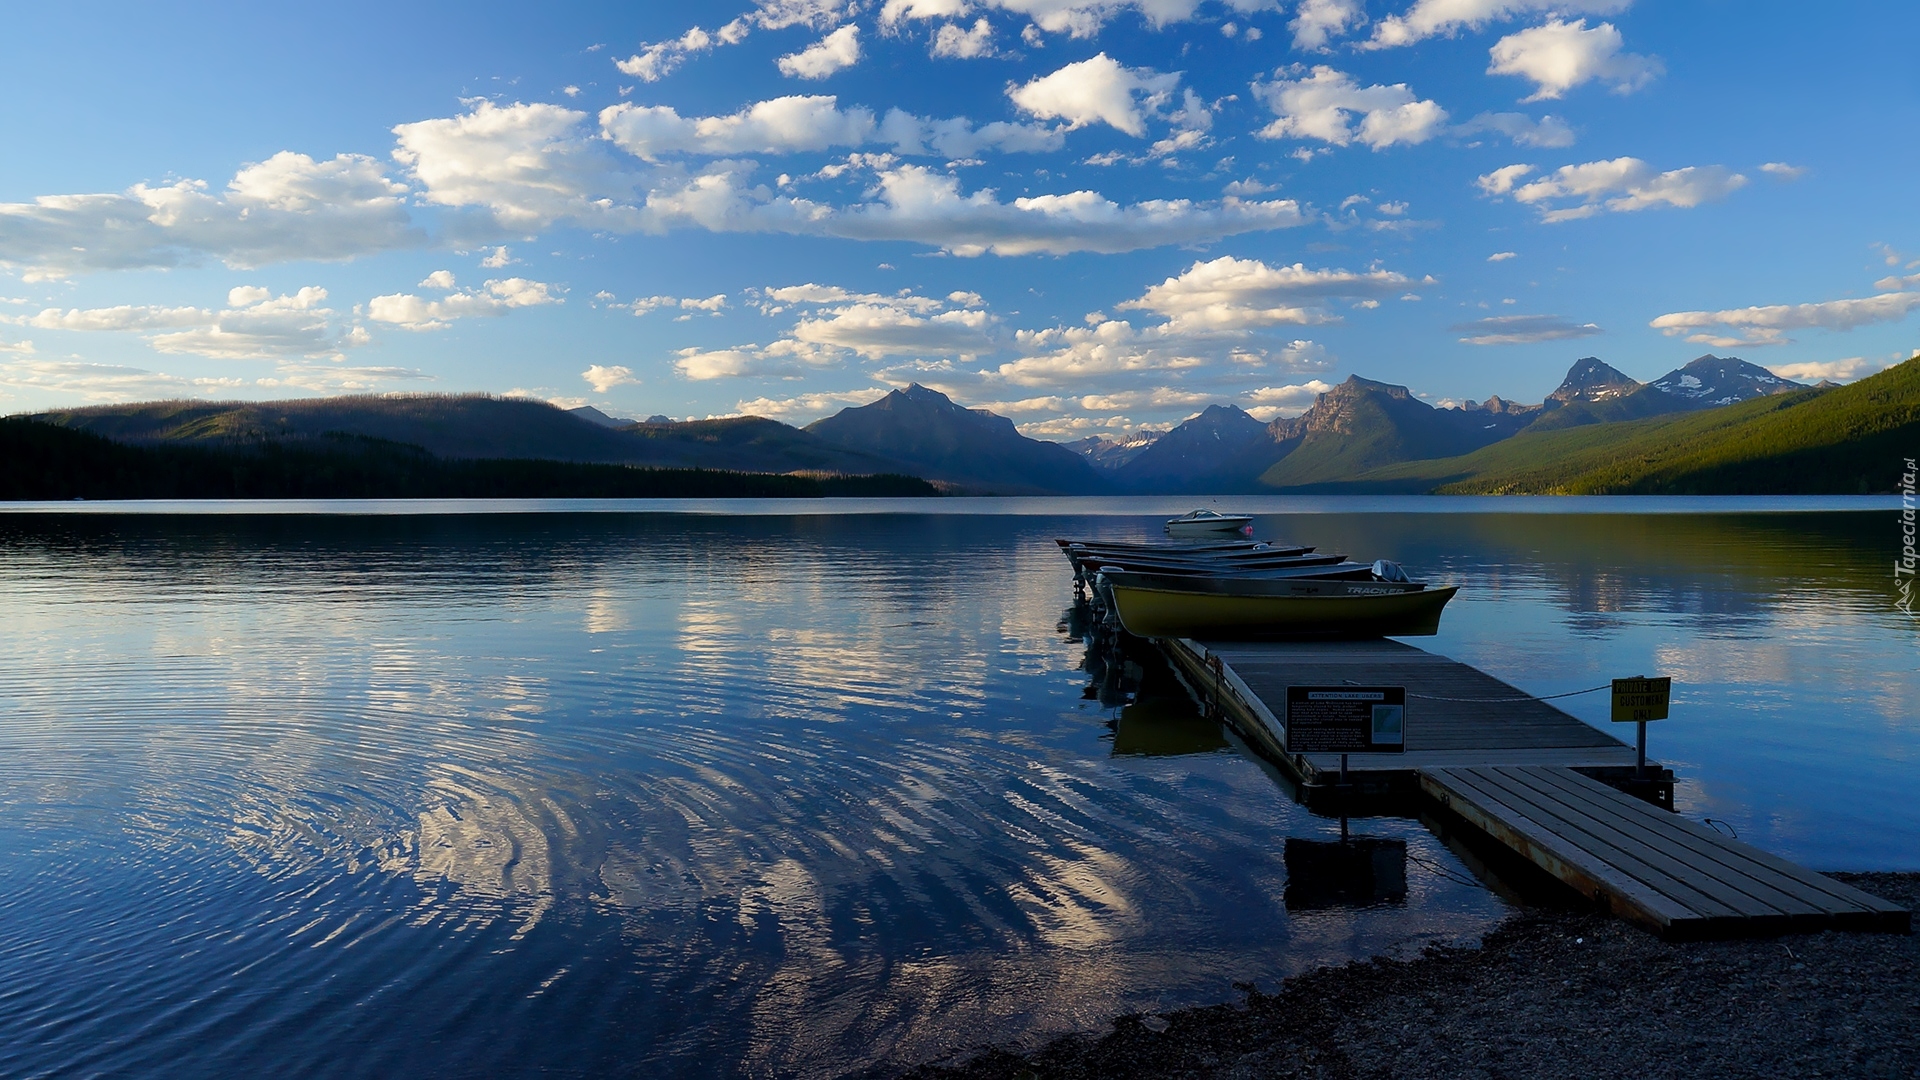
1680 878
1532 778
1456 714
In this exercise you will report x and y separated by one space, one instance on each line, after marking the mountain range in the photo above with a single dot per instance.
1362 435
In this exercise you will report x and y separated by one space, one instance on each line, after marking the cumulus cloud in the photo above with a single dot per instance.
1847 370
412 312
603 378
782 125
835 52
1097 90
1751 326
284 208
1318 22
255 324
797 123
804 408
1620 185
834 322
1503 256
1077 18
655 61
106 382
1433 18
1780 170
1229 294
1268 402
918 204
1325 104
1558 56
954 43
1524 130
527 165
785 358
1522 330
711 305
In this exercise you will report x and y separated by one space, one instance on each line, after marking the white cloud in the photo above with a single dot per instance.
1503 256
1523 330
958 138
1229 294
1558 56
1078 18
439 279
1324 104
410 312
1847 370
1319 21
654 62
781 125
254 325
1268 402
1780 170
785 358
1097 90
284 208
918 204
1524 130
498 258
877 331
1431 18
603 378
1752 326
336 378
954 43
1620 185
804 408
835 52
105 382
712 305
528 165
18 348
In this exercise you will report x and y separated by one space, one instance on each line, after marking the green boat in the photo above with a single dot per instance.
1331 609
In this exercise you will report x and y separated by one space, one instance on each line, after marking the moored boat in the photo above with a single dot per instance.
1204 522
1217 610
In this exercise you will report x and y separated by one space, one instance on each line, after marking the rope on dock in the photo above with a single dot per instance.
1497 700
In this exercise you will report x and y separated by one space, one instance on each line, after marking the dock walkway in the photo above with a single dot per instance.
1680 878
1533 779
1456 714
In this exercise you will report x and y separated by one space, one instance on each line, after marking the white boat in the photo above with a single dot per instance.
1208 523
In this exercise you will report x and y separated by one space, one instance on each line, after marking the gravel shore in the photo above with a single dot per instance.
1547 994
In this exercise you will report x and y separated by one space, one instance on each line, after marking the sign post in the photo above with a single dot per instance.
1346 720
1638 700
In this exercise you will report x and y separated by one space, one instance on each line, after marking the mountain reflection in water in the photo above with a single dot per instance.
780 795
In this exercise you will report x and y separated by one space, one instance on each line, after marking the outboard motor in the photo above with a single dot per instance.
1389 571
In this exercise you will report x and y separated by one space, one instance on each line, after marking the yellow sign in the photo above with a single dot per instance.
1641 698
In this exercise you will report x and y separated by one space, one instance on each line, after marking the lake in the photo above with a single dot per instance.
792 789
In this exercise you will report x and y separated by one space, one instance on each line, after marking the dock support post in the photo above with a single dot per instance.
1640 756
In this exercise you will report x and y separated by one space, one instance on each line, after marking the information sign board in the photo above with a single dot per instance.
1641 698
1346 719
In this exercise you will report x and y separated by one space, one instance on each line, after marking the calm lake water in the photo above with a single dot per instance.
794 793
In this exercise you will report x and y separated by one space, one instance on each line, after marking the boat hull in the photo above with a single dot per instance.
1179 613
1210 528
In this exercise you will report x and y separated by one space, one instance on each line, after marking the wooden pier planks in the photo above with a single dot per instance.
1253 678
1680 878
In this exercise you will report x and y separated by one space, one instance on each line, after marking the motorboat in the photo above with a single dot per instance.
1207 523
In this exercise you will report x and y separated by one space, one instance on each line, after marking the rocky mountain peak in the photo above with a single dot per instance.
1589 379
1721 380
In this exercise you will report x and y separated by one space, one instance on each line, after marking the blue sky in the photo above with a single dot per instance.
1087 216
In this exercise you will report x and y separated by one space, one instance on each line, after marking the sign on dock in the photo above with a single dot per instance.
1346 719
1641 699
